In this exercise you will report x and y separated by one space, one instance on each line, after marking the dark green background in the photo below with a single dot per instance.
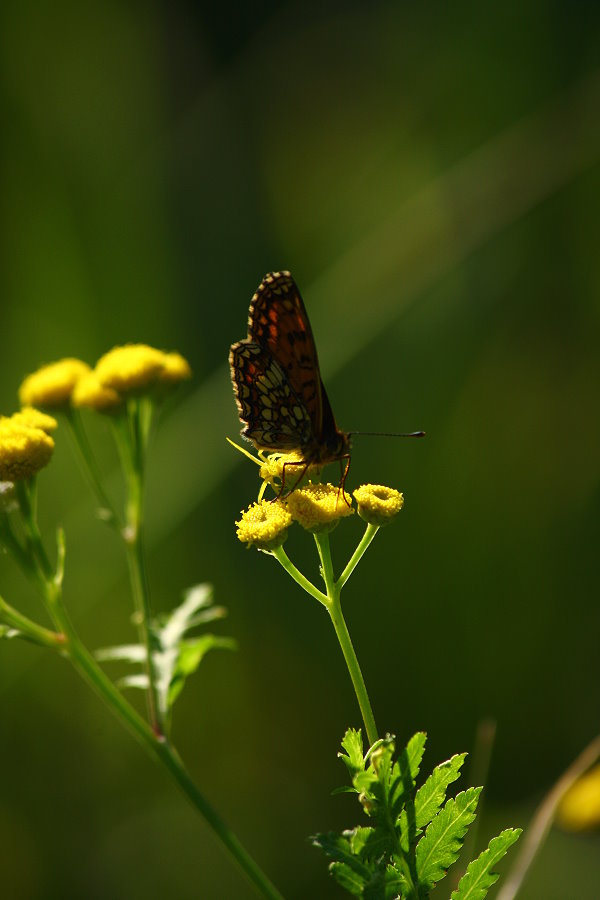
429 173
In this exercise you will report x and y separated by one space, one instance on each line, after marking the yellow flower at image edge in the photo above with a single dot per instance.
23 450
52 385
318 507
378 504
264 525
579 809
134 368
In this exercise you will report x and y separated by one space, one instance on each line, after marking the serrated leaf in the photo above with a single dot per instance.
134 653
352 743
479 877
174 657
346 876
134 681
440 846
191 654
428 800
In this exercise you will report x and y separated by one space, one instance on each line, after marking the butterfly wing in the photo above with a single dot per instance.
274 417
278 322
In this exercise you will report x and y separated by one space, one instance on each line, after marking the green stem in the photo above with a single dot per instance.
334 608
155 744
284 560
90 467
29 629
370 532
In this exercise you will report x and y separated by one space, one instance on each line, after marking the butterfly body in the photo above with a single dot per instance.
277 383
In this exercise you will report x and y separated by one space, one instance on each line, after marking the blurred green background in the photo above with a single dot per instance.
430 175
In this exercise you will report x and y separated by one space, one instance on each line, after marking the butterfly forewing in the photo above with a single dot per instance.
276 377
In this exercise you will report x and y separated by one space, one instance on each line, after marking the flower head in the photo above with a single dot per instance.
264 525
579 809
137 368
52 385
23 450
378 504
35 419
318 507
91 394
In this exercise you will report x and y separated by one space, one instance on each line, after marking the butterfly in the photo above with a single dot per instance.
277 383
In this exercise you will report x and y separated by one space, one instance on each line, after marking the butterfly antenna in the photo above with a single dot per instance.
389 433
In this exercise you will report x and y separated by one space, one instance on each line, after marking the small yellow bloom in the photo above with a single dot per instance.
579 809
264 525
378 504
318 507
93 395
35 419
175 369
137 368
23 450
52 385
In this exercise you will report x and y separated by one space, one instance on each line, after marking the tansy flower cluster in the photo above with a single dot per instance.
123 372
25 445
316 507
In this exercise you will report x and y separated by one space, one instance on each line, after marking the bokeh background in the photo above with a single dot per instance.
430 174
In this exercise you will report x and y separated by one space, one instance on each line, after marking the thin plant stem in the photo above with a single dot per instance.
370 532
539 828
29 629
155 744
334 608
89 467
284 560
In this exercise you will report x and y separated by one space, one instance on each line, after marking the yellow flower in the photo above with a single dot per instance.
318 507
175 368
579 809
93 395
264 525
23 450
137 368
35 419
378 504
52 385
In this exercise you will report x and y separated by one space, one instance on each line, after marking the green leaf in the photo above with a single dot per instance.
440 846
428 800
175 657
479 877
353 757
7 632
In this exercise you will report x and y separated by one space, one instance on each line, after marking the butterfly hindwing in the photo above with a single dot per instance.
274 417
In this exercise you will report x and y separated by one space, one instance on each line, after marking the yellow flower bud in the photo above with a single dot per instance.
378 504
35 419
175 369
91 394
23 450
579 809
52 385
318 507
264 525
138 368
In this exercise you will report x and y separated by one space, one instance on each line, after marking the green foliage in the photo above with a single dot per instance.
175 657
392 858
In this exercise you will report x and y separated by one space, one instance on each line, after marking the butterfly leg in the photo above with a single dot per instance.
344 469
301 462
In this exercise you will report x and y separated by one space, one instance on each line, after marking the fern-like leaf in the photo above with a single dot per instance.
479 876
440 846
